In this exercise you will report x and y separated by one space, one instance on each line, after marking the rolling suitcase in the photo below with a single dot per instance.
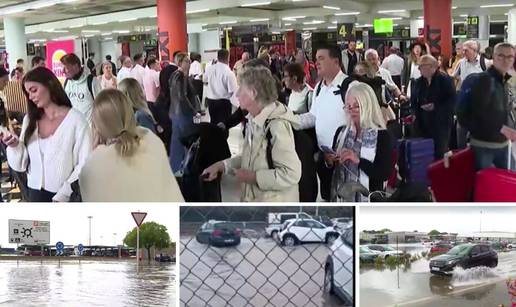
453 178
415 157
495 185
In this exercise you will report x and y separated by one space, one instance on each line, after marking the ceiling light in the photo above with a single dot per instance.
197 11
464 15
90 31
335 22
76 26
106 34
56 31
309 29
99 23
396 18
496 5
347 13
260 19
89 35
331 7
391 11
420 17
313 22
453 7
288 24
228 22
108 38
128 19
122 31
293 18
255 4
332 27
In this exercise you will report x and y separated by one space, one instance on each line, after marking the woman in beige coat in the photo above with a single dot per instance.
268 167
128 163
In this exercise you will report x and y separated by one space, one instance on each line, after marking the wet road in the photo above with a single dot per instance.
473 287
258 272
90 283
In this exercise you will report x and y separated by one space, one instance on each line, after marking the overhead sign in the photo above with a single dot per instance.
472 27
55 51
346 31
29 232
139 217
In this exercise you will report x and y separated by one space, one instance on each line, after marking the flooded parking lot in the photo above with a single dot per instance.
258 272
90 283
479 286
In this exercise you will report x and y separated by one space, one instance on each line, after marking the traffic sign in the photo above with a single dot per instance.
29 232
80 248
59 248
139 217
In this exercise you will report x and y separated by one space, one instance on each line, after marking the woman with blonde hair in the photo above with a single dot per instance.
362 151
107 79
136 97
128 163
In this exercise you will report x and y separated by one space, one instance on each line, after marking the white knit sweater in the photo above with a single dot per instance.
60 165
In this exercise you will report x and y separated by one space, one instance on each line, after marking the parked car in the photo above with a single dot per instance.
164 258
277 219
218 233
324 219
342 223
440 248
368 255
465 256
338 270
511 245
385 250
306 230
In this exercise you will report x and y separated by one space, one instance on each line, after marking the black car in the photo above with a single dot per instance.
218 233
465 256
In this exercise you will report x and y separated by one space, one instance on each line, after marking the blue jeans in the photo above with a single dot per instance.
486 157
181 124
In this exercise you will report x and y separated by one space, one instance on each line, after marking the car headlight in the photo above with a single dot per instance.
453 261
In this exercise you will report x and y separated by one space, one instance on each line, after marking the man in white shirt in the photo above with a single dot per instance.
373 59
394 64
327 112
151 80
125 71
472 62
138 71
222 84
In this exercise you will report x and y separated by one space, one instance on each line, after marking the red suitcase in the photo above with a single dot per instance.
495 185
453 180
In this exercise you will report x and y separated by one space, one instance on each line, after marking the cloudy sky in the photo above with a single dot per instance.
462 220
69 222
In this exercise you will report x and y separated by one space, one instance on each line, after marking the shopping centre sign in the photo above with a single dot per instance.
55 51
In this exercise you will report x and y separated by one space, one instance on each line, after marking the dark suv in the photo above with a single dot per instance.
218 233
465 256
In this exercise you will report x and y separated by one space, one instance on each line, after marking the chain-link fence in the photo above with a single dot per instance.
267 256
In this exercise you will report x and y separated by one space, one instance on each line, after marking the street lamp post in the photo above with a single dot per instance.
89 237
114 238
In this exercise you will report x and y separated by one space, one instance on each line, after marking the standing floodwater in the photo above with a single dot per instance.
91 283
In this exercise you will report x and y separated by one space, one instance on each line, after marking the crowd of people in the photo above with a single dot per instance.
324 129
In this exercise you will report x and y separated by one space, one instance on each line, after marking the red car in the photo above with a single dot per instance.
440 248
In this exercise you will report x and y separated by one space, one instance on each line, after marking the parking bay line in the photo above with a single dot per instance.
430 298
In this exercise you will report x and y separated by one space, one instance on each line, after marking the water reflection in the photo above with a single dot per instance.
90 283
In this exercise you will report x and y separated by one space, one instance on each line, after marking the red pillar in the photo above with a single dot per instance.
290 42
171 28
438 26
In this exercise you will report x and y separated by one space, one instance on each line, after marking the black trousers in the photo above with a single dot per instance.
40 196
325 177
397 81
220 110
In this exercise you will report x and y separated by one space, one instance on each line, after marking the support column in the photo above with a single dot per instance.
511 38
15 41
438 26
290 41
171 28
483 31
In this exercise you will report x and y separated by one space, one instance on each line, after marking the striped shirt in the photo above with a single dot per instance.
16 101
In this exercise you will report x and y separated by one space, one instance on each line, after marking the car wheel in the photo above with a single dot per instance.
331 238
328 280
289 240
494 264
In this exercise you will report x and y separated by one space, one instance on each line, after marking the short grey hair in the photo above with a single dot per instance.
429 58
503 45
371 51
472 45
260 79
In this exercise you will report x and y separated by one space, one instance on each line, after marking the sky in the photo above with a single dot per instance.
69 222
462 220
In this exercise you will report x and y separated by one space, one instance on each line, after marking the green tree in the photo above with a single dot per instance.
152 234
385 230
434 233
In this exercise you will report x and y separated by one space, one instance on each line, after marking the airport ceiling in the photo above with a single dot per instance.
279 14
